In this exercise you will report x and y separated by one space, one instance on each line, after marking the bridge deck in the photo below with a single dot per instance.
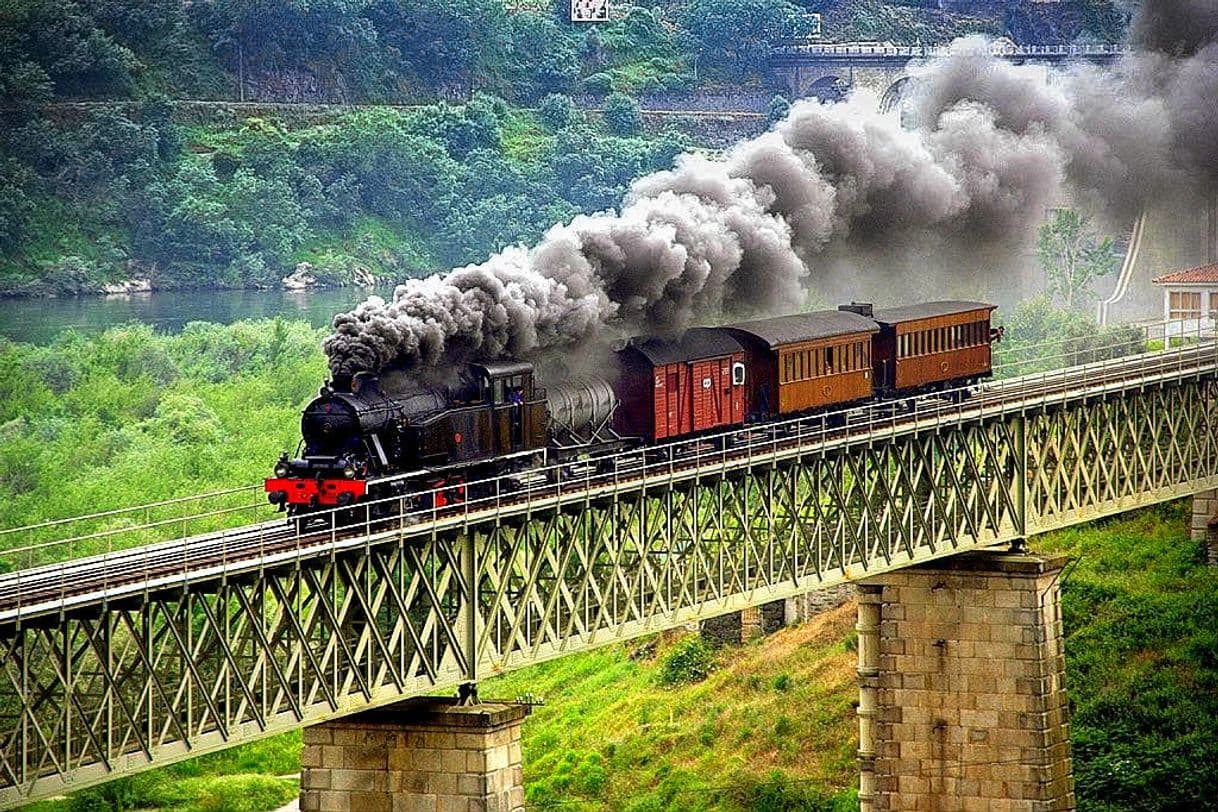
28 593
116 663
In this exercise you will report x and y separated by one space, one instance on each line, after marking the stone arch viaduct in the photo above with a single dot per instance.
828 71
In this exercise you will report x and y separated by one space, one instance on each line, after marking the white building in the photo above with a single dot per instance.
1190 299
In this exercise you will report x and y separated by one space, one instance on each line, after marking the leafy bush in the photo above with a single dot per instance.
777 109
691 660
622 114
778 792
557 111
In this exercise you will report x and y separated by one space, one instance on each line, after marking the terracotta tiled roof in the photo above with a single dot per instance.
1204 274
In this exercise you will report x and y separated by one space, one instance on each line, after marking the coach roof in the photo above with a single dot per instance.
694 344
801 327
928 310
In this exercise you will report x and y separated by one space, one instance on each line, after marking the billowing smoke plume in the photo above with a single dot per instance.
833 192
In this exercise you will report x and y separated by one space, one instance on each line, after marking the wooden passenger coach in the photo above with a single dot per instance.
932 346
670 388
806 361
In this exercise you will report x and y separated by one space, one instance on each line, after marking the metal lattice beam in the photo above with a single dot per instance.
143 678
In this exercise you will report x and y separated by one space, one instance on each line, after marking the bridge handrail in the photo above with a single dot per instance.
890 50
105 514
1034 352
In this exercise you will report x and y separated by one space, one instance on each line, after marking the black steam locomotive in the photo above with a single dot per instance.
360 442
364 440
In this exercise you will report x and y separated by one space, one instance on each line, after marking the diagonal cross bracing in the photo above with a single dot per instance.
112 682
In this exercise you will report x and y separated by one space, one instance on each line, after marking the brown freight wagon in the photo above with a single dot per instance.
671 388
936 345
806 361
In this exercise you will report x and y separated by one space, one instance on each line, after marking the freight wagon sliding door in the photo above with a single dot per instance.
711 404
667 401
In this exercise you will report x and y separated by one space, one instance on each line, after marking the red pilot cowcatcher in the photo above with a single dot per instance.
326 492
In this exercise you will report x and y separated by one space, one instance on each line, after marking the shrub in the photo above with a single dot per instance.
690 660
598 83
778 792
777 109
557 111
622 115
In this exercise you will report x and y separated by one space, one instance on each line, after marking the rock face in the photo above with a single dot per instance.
127 286
300 279
337 274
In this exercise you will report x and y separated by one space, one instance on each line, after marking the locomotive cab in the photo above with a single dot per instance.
517 406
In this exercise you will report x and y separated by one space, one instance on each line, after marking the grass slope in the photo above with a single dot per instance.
1141 616
771 726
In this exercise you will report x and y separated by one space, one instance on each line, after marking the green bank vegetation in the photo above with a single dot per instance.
98 196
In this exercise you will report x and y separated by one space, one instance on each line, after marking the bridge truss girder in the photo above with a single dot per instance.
116 687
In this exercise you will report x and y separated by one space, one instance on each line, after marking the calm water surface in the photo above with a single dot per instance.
40 320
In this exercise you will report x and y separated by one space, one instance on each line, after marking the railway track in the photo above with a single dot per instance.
50 588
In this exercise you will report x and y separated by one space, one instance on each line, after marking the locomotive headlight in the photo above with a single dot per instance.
349 471
281 469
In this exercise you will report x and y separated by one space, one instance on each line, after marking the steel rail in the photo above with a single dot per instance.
1028 354
36 591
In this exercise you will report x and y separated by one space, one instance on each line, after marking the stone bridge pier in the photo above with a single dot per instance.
1204 526
421 755
962 697
829 79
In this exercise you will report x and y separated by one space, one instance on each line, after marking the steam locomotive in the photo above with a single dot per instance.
363 441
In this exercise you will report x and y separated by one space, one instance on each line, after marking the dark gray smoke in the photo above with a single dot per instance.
832 194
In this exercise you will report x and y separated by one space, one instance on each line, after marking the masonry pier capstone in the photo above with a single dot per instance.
421 755
962 696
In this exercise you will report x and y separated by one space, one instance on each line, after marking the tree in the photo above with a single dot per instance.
67 47
622 114
733 37
556 111
1073 256
777 109
543 57
448 45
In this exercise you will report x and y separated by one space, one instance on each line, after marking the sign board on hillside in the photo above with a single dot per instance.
589 11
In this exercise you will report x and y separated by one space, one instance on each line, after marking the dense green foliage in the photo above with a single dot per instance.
129 417
387 192
1141 617
394 50
96 196
1039 337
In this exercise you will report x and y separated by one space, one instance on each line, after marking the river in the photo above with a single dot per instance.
38 321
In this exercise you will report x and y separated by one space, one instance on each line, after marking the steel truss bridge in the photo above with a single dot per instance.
120 662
